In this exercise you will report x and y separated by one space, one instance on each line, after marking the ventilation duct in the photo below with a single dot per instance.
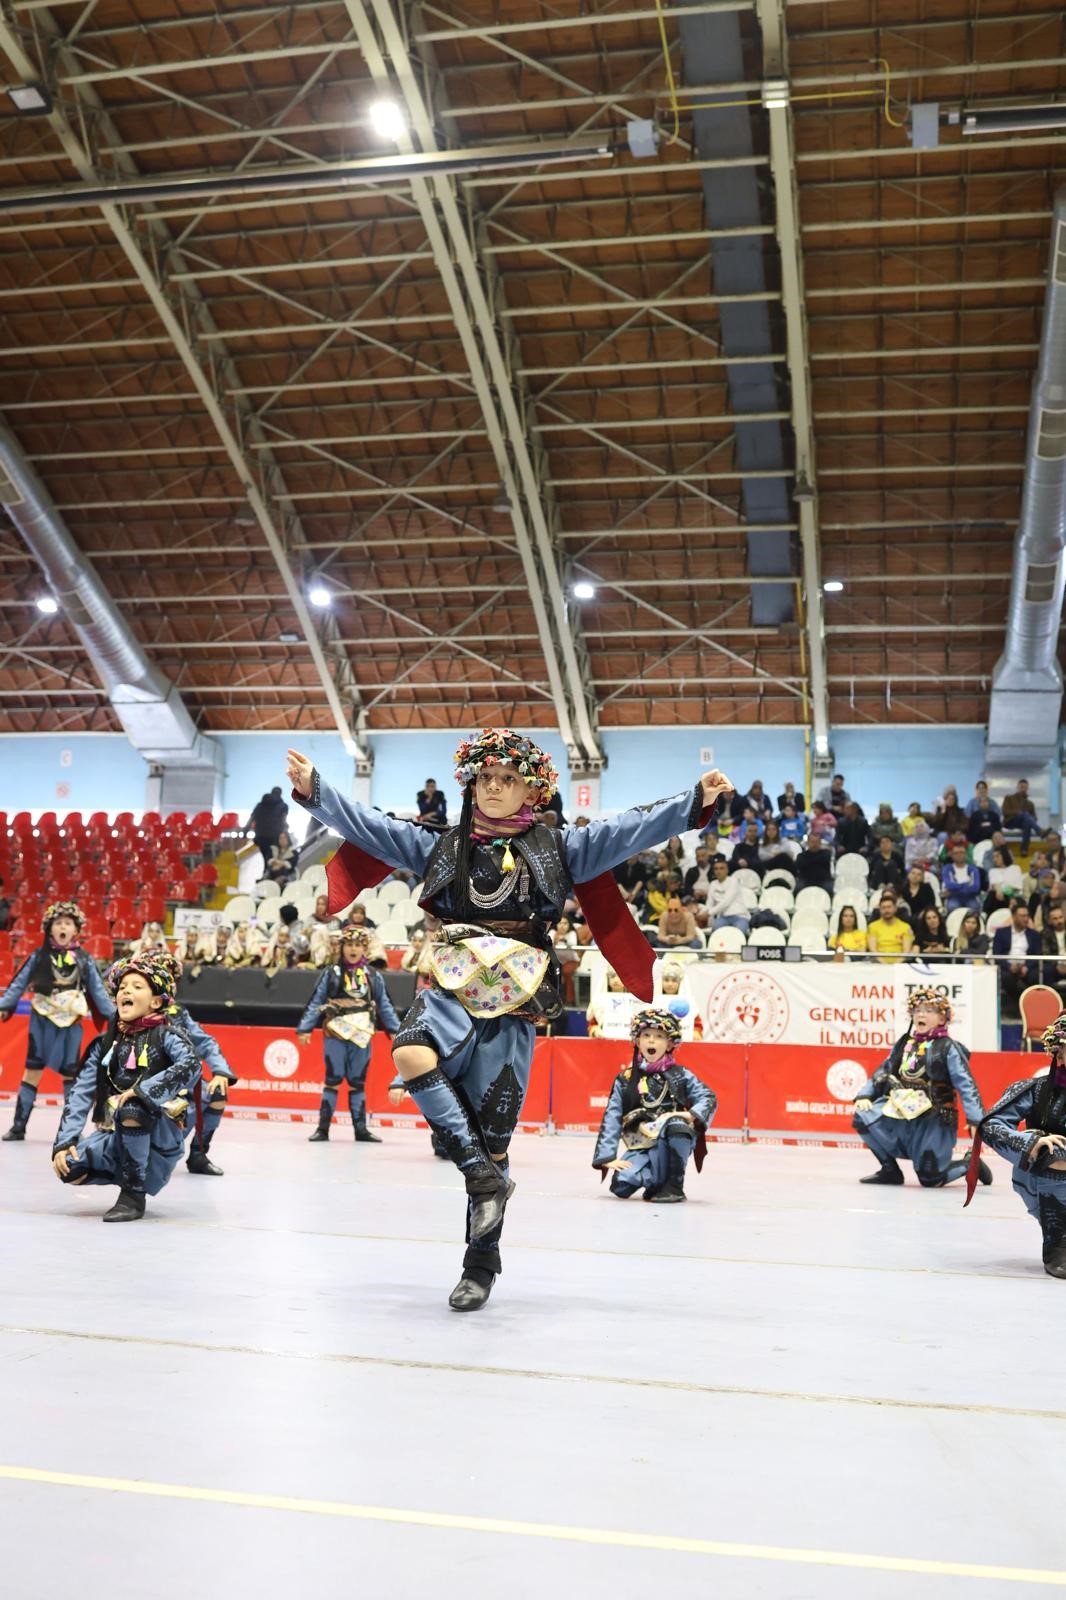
146 703
1023 723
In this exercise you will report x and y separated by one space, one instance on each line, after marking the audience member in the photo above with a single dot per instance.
746 820
814 866
699 878
281 867
886 826
960 882
984 821
888 936
980 793
886 867
416 959
432 805
907 823
793 825
1004 869
610 1012
791 797
1021 943
630 877
1018 811
930 933
823 822
775 851
1053 943
853 831
949 817
920 850
917 894
1052 847
970 941
567 954
834 797
847 936
677 926
746 853
726 906
759 800
268 821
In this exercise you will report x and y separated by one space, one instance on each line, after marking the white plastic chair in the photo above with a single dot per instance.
998 919
748 880
955 920
780 876
389 894
239 909
852 868
810 920
268 912
266 889
777 898
393 933
721 847
812 944
751 898
819 899
727 940
408 914
982 852
766 936
314 877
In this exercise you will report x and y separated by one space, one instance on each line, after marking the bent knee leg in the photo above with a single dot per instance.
928 1169
412 1060
135 1116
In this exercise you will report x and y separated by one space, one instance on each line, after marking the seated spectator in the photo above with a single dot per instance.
1018 811
674 998
609 1013
886 867
791 797
853 831
1052 848
213 944
920 850
914 814
814 866
793 825
746 820
1049 893
1004 870
984 821
567 954
187 946
416 958
244 947
847 936
834 797
432 805
1020 943
970 941
746 853
822 822
281 867
961 882
698 879
666 885
630 877
888 936
677 926
375 954
775 851
279 953
1038 863
886 826
152 938
980 793
931 933
726 907
948 816
917 894
759 800
1053 943
675 852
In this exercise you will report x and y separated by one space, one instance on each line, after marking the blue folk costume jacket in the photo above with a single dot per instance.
939 1067
48 971
164 1066
1041 1104
636 1095
551 865
361 984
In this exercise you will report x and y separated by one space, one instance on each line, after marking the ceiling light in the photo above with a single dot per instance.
387 119
775 94
46 604
288 637
1009 119
584 591
320 596
30 99
833 586
501 501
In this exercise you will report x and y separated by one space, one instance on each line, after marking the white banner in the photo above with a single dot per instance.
197 917
823 1002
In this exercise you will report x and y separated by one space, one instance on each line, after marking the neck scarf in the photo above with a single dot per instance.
484 828
142 1024
939 1032
662 1065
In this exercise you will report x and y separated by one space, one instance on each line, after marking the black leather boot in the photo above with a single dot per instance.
200 1162
15 1134
888 1172
489 1193
17 1131
473 1288
129 1207
320 1135
363 1134
1053 1226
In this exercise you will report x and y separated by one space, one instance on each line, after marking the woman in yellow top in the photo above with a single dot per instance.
889 937
848 936
910 821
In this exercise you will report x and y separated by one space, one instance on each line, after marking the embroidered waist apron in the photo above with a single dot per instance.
489 974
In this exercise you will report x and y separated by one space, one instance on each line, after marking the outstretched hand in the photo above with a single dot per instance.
300 772
714 784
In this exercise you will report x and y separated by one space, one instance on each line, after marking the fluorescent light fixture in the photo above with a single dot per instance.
387 119
833 586
320 596
288 637
30 99
775 94
584 591
1009 119
46 604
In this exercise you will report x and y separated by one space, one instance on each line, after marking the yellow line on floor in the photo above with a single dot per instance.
618 1539
964 1409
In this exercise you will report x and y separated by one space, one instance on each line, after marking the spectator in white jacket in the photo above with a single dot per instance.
726 906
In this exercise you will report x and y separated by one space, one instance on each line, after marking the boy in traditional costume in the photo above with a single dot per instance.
659 1110
65 985
351 1002
136 1079
909 1107
498 881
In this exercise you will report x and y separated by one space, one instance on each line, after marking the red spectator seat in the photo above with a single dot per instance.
186 890
227 822
101 947
126 928
7 968
153 910
5 939
206 874
120 910
1039 1006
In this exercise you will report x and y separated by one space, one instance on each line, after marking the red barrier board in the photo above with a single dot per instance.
13 1036
584 1069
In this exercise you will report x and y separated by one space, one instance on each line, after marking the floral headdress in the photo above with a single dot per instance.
495 747
62 908
1054 1039
156 966
929 997
665 1021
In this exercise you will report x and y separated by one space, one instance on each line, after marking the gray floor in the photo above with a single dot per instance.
787 1363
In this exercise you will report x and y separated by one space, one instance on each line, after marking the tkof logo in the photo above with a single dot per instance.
747 1008
845 1078
281 1058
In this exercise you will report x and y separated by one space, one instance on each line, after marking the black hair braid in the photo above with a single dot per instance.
463 905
